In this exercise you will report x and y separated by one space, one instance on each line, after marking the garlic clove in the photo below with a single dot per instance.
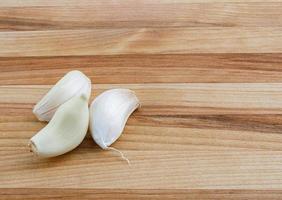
109 113
72 84
65 131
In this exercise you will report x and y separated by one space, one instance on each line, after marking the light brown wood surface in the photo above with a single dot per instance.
209 77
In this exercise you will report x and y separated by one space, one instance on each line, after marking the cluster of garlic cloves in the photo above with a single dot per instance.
66 107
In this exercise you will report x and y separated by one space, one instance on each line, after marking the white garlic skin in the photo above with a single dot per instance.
65 131
109 113
74 83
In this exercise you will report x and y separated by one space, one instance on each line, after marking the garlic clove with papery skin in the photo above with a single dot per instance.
65 131
74 83
109 113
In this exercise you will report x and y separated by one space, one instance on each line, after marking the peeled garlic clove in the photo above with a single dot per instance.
109 113
72 84
65 131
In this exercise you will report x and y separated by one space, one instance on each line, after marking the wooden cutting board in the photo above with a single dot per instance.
209 77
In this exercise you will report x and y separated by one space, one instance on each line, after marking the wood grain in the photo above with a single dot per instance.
71 194
178 68
208 74
90 168
153 14
94 3
141 41
225 143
